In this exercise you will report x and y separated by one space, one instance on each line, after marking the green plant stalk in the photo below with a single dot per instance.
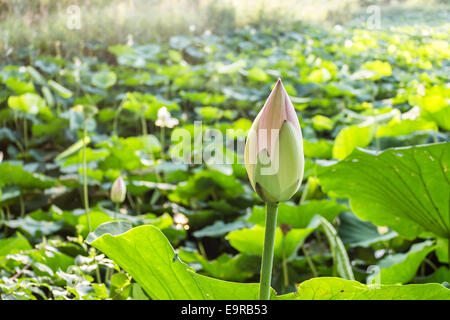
116 210
97 274
85 187
8 213
22 205
448 252
143 124
3 217
267 255
285 269
116 118
107 275
25 133
163 135
309 261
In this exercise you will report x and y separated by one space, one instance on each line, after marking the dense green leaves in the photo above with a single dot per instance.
376 215
402 188
355 232
340 257
16 175
145 253
401 267
340 289
251 241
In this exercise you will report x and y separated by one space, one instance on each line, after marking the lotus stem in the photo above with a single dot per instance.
25 133
267 255
309 261
116 210
85 186
162 142
285 269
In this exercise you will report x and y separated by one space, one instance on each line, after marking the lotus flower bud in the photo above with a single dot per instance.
1 157
274 149
118 190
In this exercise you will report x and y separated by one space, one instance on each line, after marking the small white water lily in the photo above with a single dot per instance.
165 119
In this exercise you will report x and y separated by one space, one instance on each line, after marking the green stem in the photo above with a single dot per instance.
109 273
144 125
202 250
285 269
116 118
8 213
304 194
85 186
431 264
116 210
25 133
310 262
3 217
162 142
448 252
267 255
22 205
97 274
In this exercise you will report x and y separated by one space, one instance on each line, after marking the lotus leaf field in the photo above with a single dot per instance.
371 219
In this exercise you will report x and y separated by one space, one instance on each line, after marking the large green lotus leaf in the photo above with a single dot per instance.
96 217
104 79
13 245
126 153
21 87
34 228
441 275
357 233
14 174
205 184
404 127
318 148
328 288
146 254
442 250
300 216
29 103
235 268
251 241
404 188
351 137
402 267
219 228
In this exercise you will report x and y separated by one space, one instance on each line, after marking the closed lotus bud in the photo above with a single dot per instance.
274 149
118 190
1 157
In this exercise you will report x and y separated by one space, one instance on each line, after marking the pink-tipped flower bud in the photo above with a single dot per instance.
118 190
274 149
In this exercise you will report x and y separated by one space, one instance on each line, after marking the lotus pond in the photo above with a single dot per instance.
371 219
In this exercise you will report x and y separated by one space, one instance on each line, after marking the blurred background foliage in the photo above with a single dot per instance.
41 24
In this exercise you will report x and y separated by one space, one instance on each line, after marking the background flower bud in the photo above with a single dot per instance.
274 149
118 190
